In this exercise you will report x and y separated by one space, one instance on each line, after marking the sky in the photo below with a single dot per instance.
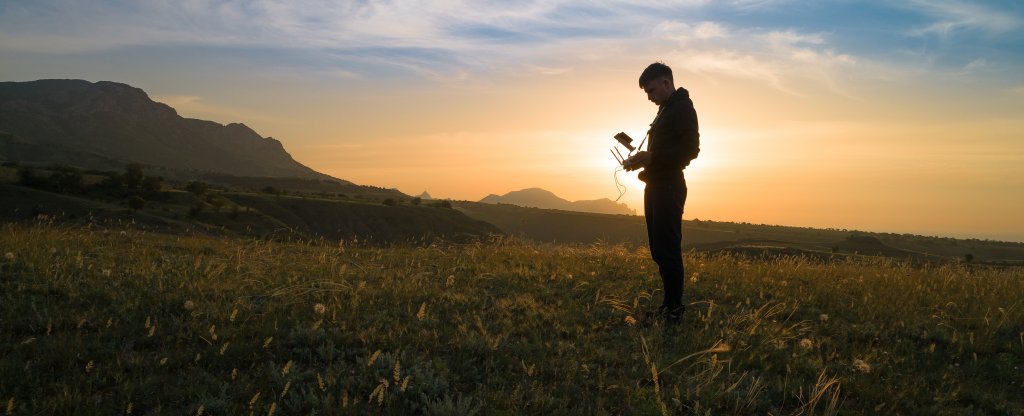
887 116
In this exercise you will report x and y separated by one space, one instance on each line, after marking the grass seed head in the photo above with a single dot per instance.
373 358
422 313
319 308
287 386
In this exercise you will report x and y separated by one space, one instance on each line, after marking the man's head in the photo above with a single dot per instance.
656 81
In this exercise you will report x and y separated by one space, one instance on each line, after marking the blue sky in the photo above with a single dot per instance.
864 113
435 38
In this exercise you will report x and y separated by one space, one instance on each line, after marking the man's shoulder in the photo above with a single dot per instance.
679 100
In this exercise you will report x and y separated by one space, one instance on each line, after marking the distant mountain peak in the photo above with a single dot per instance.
425 195
542 198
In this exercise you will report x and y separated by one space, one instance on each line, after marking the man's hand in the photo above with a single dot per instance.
637 161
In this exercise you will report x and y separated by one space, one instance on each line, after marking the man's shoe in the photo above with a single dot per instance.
674 315
669 316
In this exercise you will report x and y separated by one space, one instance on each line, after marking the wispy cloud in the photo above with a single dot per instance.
430 38
779 58
456 40
952 16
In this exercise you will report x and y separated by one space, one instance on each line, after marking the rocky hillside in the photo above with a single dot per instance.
103 125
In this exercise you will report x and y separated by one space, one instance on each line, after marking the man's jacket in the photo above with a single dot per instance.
674 139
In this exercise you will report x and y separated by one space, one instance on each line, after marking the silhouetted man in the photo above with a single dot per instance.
674 141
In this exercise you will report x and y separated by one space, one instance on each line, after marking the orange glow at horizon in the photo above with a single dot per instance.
826 161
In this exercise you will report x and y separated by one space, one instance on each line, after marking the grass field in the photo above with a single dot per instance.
96 321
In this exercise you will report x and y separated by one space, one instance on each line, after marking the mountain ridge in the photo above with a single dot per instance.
542 198
102 125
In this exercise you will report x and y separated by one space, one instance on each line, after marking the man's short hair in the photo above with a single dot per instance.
653 72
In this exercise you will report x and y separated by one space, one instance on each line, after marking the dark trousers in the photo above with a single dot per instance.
663 209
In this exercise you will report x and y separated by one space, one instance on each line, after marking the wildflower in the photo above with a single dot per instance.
319 308
806 344
630 320
9 256
189 305
107 272
823 317
861 366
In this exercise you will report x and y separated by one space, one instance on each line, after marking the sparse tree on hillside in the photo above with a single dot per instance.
113 180
136 203
27 176
444 203
416 201
195 210
196 187
390 202
133 176
152 184
69 181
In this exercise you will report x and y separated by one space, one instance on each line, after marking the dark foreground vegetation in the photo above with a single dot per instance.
122 321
